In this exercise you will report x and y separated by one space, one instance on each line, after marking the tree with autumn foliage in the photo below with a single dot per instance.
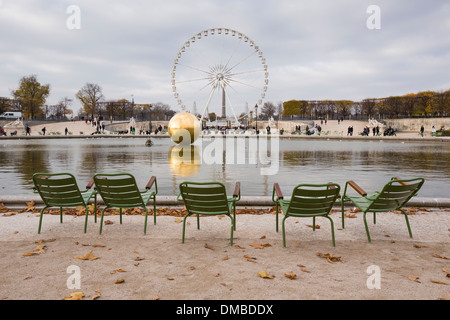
32 95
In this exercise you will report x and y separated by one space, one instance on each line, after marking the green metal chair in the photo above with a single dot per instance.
120 190
61 190
394 195
209 198
307 200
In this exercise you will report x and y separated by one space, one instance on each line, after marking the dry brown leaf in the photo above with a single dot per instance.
88 256
96 296
38 250
155 298
30 206
207 246
170 278
263 274
439 282
260 245
420 246
330 258
290 275
312 226
441 257
75 296
178 220
447 273
238 247
415 279
224 258
118 281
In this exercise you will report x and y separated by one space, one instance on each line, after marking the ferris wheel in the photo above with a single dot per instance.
219 68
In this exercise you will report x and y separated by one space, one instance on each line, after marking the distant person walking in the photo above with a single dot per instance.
421 130
43 131
66 131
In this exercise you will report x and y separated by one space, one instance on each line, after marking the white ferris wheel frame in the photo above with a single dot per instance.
220 76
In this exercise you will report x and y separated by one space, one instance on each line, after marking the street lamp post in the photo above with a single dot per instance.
150 122
256 120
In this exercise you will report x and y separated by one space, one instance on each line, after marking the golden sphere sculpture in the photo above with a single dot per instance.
184 128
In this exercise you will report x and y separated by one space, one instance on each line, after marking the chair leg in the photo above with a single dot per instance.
283 231
367 228
342 210
198 221
184 227
332 230
233 221
95 209
86 218
145 225
314 223
120 210
234 216
40 219
101 220
60 215
154 211
407 223
276 217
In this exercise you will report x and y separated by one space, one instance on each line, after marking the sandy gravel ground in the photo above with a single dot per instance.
131 265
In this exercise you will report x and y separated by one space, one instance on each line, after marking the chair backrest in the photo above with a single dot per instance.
118 190
58 189
204 197
395 194
313 199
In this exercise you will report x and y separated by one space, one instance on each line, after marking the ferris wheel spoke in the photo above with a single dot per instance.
245 72
193 68
207 103
194 80
243 83
234 52
243 60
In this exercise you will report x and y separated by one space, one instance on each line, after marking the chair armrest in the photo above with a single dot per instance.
357 188
277 191
150 184
237 191
90 183
179 197
332 186
401 182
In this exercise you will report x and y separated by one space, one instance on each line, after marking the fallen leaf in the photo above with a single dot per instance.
420 246
260 245
311 226
330 258
170 278
118 281
75 296
447 273
38 250
439 282
263 274
155 298
441 257
415 279
290 275
96 296
88 256
207 246
178 220
224 258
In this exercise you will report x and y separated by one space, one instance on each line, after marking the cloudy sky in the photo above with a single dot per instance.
319 49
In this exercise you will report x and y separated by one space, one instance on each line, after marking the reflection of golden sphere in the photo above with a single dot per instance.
184 161
184 128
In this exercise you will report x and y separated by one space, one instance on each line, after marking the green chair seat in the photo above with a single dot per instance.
61 190
307 200
208 198
120 190
394 195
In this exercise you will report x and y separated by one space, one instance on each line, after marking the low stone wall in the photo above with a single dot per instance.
413 125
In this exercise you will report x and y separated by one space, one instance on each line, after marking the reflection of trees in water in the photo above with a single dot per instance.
424 161
26 163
